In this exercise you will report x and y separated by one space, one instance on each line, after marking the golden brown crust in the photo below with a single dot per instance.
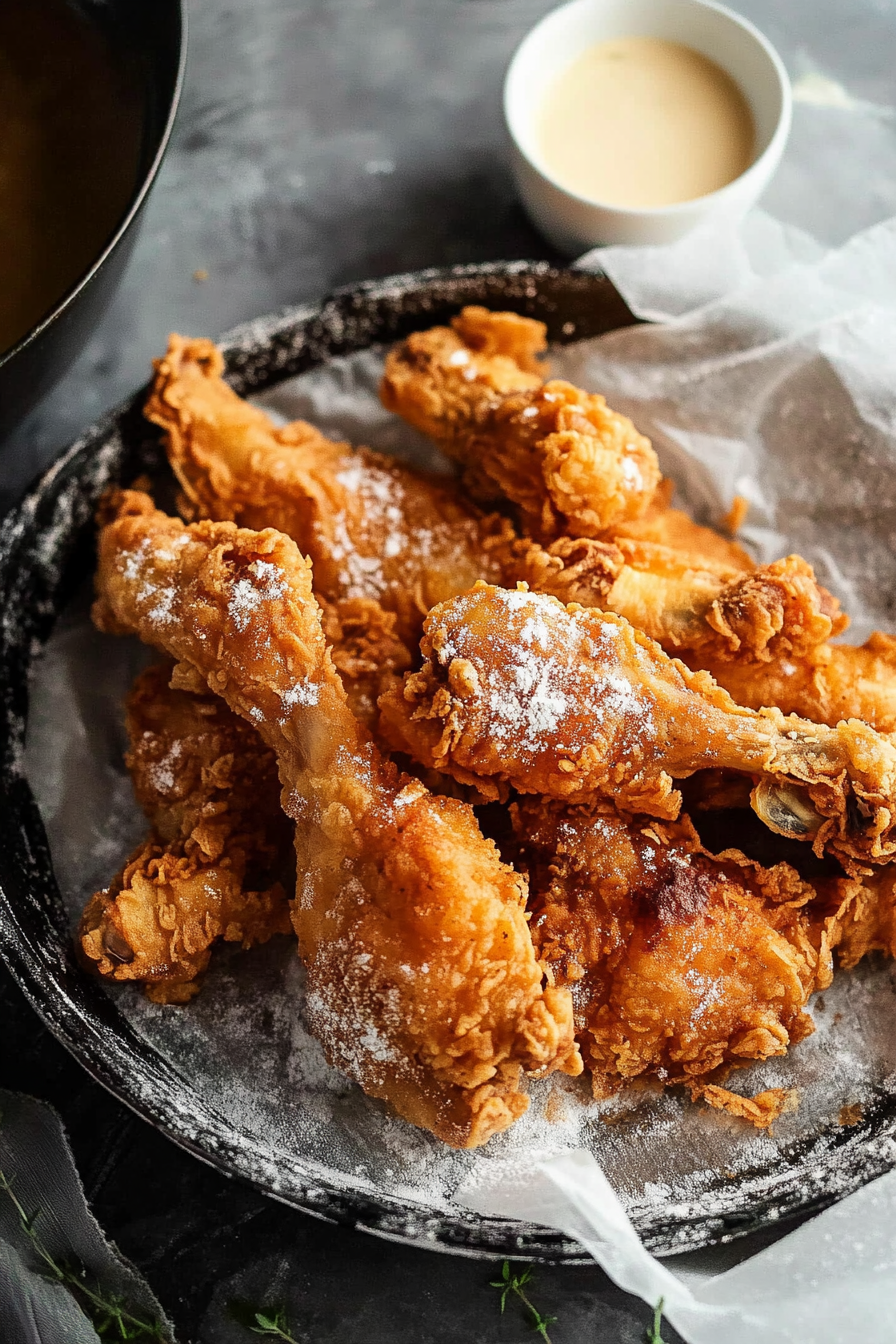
517 690
661 525
220 848
719 614
158 920
382 534
569 464
423 983
683 965
373 529
827 685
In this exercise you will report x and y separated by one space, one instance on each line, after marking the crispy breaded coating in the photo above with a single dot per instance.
661 525
569 464
441 379
373 529
776 610
571 703
158 920
366 651
213 867
827 684
863 911
382 534
423 984
682 965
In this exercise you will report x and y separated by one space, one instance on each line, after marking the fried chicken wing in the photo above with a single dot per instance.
214 865
682 965
423 983
575 704
569 464
827 684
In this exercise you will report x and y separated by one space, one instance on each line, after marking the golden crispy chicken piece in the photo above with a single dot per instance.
661 525
827 684
214 865
860 910
233 464
373 528
682 964
570 703
158 919
442 379
719 615
377 532
423 984
569 464
366 652
863 914
210 789
680 583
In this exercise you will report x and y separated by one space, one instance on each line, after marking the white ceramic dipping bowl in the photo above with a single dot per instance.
574 223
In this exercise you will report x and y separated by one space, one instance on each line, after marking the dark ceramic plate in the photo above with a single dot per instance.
46 554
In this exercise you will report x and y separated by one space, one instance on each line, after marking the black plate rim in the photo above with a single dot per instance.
84 1018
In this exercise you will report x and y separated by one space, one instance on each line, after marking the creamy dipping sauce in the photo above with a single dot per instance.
641 122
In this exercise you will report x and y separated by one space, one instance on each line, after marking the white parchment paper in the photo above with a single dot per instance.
771 374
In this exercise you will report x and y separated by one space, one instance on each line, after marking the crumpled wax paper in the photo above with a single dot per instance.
832 1281
770 375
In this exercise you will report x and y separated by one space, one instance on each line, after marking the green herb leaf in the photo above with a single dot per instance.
515 1283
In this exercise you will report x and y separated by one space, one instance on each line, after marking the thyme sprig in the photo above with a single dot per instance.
106 1312
516 1283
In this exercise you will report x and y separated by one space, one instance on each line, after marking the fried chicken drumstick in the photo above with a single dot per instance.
372 528
423 982
214 865
682 964
574 704
722 617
